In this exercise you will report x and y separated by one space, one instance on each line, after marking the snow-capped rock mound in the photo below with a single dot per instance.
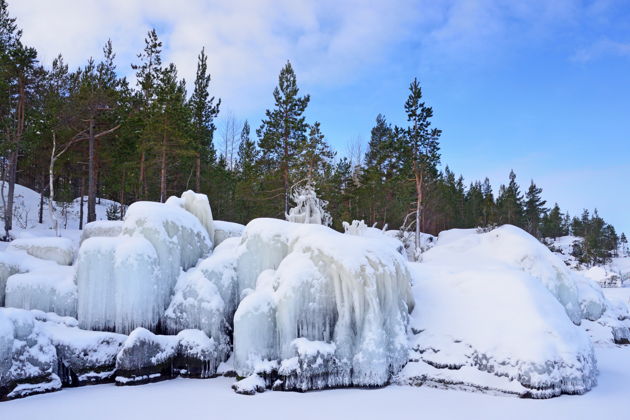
59 250
488 316
145 357
509 246
100 228
335 291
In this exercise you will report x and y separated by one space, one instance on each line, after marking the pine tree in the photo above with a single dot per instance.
534 210
623 241
552 223
423 147
488 206
204 112
283 131
315 155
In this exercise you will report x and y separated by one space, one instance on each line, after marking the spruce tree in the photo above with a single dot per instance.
283 131
510 203
315 155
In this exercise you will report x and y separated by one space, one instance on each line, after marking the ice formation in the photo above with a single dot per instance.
206 296
9 265
49 289
489 316
328 291
101 228
127 281
224 230
59 250
308 208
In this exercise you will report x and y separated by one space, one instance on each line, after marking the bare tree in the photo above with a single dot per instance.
231 139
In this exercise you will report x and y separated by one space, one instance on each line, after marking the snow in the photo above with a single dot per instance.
49 289
487 318
309 281
608 400
101 228
198 205
224 230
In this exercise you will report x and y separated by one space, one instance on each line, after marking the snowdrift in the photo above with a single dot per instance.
320 309
497 312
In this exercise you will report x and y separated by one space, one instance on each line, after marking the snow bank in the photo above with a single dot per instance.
224 230
488 317
49 289
60 250
310 282
101 228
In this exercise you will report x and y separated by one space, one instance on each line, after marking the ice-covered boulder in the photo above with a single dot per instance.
206 296
336 291
592 299
50 288
83 357
197 355
488 317
28 359
59 250
224 230
145 357
127 281
99 228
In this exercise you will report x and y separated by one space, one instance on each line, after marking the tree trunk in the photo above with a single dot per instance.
122 196
285 176
82 200
13 155
141 186
418 176
51 186
91 216
198 173
41 206
163 171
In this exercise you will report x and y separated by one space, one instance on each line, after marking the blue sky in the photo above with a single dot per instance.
541 87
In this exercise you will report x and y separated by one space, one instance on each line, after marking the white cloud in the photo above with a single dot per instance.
602 48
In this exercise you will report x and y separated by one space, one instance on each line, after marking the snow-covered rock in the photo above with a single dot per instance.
197 355
488 316
308 281
99 228
224 230
59 250
49 289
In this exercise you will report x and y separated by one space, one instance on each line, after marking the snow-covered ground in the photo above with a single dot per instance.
213 398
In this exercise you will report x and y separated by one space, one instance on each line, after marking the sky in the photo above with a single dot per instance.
541 87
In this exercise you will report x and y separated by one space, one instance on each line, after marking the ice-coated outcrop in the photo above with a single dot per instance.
127 281
28 359
224 230
59 250
488 317
50 288
206 297
327 291
99 228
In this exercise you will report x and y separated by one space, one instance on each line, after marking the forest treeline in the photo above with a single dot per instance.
90 132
